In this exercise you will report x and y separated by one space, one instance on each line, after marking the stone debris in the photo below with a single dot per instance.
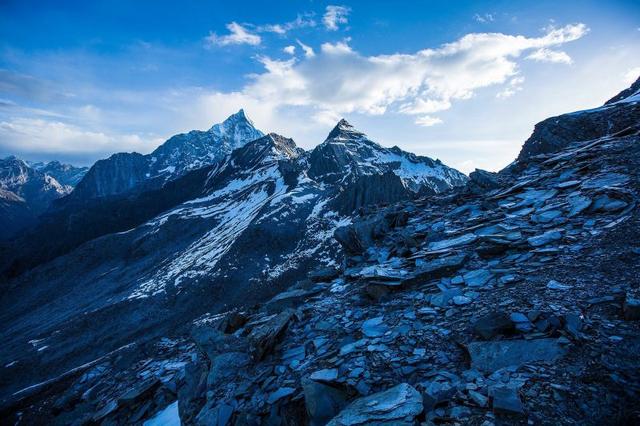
492 356
398 405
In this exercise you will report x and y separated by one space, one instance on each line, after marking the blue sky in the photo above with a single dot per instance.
461 81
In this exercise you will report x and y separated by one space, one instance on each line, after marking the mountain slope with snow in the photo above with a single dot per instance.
226 234
179 154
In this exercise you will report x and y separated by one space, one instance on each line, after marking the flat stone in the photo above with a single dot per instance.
546 216
326 375
507 400
568 184
442 299
491 356
544 239
461 300
479 399
351 347
279 394
374 327
607 204
577 204
477 278
399 405
453 242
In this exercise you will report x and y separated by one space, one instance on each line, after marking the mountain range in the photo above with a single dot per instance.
28 189
232 276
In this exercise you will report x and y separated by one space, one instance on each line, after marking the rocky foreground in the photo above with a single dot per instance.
515 300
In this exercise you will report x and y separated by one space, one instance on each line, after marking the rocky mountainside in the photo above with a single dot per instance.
181 153
513 299
66 174
27 191
142 265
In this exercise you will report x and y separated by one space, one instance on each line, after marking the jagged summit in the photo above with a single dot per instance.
271 147
344 130
177 156
237 127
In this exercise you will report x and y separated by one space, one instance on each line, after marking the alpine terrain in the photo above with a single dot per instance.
231 277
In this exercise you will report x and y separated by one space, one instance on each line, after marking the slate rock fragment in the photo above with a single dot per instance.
399 405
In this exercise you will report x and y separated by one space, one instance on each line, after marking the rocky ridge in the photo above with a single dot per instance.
180 154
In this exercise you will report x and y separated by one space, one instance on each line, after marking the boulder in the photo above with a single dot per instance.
506 400
264 336
399 405
226 366
482 180
493 324
323 402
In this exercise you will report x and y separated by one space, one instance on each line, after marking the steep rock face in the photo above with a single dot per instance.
371 189
114 175
554 133
25 193
179 154
347 154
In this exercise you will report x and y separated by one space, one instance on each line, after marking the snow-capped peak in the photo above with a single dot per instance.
238 128
344 130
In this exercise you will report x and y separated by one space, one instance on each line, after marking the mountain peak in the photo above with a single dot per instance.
344 130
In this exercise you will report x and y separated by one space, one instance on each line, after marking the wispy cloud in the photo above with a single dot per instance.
291 50
302 21
335 16
339 80
237 35
308 50
484 18
548 55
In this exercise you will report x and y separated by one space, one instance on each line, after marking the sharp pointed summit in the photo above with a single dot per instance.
178 155
344 130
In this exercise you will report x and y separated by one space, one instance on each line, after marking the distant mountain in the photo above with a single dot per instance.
65 174
181 153
25 193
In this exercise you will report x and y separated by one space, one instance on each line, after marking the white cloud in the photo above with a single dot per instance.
308 51
237 35
514 86
56 137
339 80
427 121
487 17
334 16
548 55
301 21
291 50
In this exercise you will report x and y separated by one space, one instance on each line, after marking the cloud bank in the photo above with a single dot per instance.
338 80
